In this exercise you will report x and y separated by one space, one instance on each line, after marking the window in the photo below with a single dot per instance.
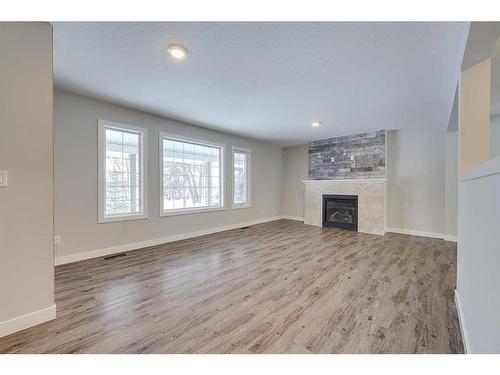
191 175
241 178
121 172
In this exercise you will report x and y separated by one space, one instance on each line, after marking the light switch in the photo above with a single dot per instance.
3 178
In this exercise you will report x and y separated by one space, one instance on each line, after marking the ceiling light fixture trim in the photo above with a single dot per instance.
177 51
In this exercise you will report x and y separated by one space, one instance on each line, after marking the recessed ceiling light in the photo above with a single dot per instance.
177 51
316 124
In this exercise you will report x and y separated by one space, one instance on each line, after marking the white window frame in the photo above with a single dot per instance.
248 203
102 126
193 210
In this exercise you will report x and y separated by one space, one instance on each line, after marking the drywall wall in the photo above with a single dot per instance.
295 169
478 258
494 135
451 185
475 116
76 179
26 152
415 187
416 181
353 156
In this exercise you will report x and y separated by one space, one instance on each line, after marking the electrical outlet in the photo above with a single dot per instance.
332 160
57 240
352 157
3 178
261 211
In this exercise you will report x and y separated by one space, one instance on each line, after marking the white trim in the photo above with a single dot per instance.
187 211
193 210
415 232
450 238
34 318
182 138
154 242
248 203
350 181
119 218
239 206
296 218
101 168
461 323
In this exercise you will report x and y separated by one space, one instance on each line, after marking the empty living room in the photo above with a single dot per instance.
248 186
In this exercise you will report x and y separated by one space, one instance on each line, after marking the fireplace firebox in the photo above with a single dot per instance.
340 211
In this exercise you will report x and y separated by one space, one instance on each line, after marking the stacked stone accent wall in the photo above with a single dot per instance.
350 157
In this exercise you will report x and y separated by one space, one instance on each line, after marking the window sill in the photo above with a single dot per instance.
187 211
239 206
114 219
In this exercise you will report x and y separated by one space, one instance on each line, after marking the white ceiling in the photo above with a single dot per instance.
495 79
270 80
480 42
483 42
453 123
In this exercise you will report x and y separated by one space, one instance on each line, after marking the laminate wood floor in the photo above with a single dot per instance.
278 287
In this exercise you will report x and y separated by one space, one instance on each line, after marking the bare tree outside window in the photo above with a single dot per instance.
122 174
122 157
241 178
191 175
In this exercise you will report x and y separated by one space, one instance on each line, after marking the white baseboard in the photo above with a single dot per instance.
296 218
415 232
159 241
423 234
28 320
154 242
451 238
461 322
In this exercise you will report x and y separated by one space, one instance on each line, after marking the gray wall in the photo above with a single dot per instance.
26 152
416 180
451 184
353 156
495 135
295 169
478 257
76 178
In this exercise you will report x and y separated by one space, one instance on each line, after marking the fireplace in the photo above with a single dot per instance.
340 211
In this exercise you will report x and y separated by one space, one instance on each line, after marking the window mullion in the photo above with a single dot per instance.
198 168
121 171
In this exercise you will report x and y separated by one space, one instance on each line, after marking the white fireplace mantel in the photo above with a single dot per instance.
371 201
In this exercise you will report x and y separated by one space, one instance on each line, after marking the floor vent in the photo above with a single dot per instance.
115 256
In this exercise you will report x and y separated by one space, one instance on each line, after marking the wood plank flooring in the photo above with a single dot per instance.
279 287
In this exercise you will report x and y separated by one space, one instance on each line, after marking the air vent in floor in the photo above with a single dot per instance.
115 256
